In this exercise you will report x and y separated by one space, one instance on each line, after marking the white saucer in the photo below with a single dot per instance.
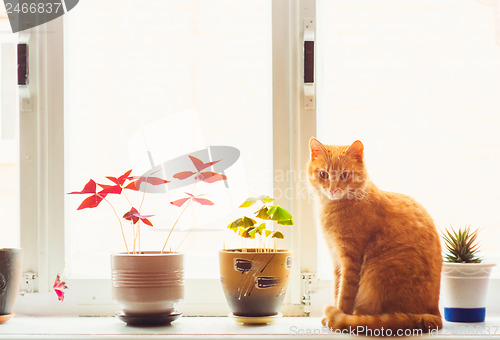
255 320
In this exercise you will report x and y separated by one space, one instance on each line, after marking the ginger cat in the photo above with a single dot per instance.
384 246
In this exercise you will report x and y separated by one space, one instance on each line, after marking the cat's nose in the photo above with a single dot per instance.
333 190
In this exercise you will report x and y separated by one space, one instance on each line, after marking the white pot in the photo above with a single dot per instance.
464 289
149 283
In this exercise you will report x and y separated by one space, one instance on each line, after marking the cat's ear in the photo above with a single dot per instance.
316 148
356 150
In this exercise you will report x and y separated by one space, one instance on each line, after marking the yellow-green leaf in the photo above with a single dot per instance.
278 234
248 222
261 227
251 200
280 215
246 233
263 213
253 231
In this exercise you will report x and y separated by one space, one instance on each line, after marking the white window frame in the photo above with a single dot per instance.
42 169
42 164
41 155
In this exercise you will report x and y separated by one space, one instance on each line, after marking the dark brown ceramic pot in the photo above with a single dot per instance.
11 261
254 281
147 283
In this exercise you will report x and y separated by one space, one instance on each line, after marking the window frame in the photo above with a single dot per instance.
41 156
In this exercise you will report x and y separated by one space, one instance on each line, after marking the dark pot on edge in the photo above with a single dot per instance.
11 260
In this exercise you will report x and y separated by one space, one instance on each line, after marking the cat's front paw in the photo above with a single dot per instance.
331 317
346 306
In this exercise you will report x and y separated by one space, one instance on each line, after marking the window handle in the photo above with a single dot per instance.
22 64
23 61
309 88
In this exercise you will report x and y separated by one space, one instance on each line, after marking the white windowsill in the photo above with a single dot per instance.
198 328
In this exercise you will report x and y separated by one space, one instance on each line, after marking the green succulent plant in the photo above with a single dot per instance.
462 245
249 228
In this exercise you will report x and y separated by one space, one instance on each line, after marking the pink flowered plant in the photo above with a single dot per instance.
205 176
134 215
59 288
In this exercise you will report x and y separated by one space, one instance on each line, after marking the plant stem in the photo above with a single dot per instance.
180 244
178 218
139 232
140 208
175 223
190 230
133 227
126 197
119 220
143 197
135 235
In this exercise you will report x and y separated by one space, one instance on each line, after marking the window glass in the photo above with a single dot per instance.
9 150
147 82
417 82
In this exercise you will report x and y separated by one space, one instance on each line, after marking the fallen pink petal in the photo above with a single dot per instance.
59 287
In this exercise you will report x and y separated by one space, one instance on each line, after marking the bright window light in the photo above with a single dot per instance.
151 81
9 149
417 81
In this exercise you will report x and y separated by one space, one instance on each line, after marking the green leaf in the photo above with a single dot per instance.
278 234
267 232
242 222
286 222
234 225
246 233
247 204
461 245
281 215
263 213
253 231
256 230
248 222
261 227
251 200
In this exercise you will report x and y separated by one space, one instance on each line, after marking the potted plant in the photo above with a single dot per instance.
465 277
146 284
255 279
10 277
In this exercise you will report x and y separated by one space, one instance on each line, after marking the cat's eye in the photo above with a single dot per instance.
344 176
323 174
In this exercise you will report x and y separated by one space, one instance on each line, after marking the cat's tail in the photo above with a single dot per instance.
391 324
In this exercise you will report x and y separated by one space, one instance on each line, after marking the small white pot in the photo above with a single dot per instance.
149 283
464 289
